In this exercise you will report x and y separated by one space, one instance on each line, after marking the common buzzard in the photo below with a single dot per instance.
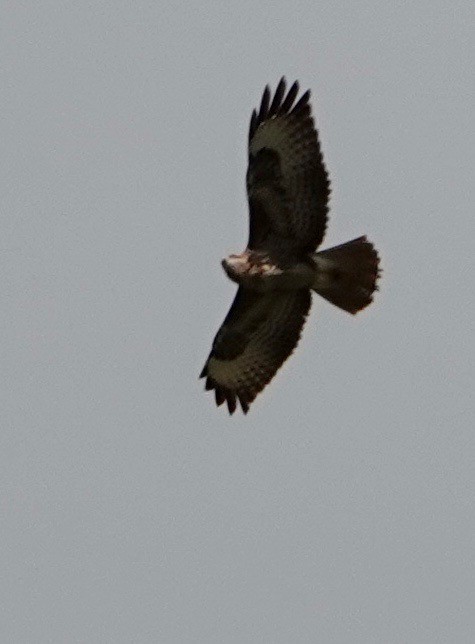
288 191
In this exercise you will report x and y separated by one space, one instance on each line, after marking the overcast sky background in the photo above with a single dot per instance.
341 509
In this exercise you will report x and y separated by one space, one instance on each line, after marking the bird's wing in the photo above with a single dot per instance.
259 333
287 184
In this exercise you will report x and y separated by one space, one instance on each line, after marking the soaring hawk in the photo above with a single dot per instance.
288 191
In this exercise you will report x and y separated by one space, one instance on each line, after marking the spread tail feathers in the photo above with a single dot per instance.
346 275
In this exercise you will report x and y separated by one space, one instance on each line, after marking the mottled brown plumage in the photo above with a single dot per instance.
288 191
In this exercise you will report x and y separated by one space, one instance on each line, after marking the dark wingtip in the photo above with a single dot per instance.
244 404
264 104
281 104
231 400
278 96
252 124
289 99
223 394
302 102
219 396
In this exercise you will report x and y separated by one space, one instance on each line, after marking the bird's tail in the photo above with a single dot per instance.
346 275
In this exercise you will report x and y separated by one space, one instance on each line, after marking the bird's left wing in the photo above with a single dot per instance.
259 333
287 183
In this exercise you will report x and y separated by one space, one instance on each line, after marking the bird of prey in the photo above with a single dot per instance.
288 192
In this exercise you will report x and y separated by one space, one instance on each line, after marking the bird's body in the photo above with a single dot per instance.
288 192
258 271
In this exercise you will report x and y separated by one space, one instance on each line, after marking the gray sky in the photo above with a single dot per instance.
132 509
